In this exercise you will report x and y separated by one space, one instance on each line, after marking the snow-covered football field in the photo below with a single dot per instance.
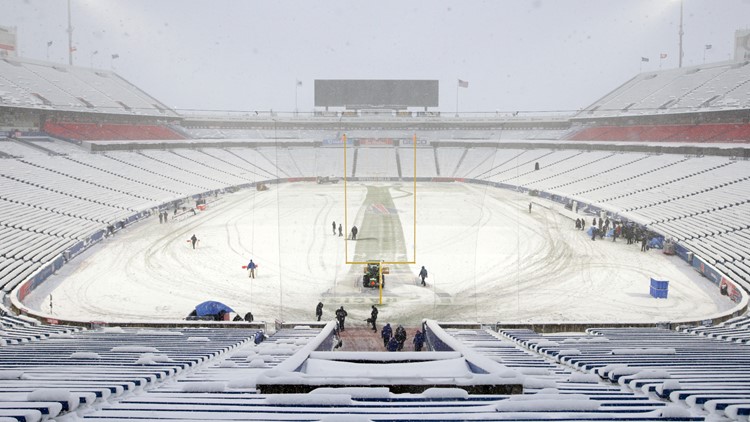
488 258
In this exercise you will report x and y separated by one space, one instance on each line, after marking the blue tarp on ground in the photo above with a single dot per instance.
656 243
211 307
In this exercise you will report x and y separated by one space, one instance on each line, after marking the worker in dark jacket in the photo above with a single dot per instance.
418 341
374 318
341 317
319 310
386 333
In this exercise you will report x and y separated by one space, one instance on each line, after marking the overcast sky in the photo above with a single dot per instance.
535 55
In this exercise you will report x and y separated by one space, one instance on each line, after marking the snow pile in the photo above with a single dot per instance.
532 382
258 362
674 411
646 351
199 339
309 399
54 394
583 378
112 330
11 375
669 385
158 333
568 352
547 343
547 402
651 374
244 353
445 393
356 392
156 358
302 327
203 387
227 364
623 370
246 381
85 355
248 356
270 351
134 349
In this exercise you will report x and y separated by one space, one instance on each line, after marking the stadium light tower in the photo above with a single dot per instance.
681 33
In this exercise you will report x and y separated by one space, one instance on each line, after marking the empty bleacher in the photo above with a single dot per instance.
705 374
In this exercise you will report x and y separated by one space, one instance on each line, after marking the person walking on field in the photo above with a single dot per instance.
386 333
194 240
319 310
334 228
418 341
251 266
341 233
423 274
341 317
374 318
354 232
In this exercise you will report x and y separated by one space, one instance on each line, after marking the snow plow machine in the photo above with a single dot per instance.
374 271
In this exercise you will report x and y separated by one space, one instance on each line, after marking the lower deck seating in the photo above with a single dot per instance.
705 374
107 131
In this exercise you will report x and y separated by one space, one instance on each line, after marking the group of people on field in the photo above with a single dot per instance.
633 233
392 341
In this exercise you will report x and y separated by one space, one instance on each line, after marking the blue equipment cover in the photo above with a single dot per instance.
211 307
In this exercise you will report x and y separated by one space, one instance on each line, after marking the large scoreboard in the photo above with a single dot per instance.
376 93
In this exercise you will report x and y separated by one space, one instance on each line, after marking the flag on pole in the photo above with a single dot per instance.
49 43
709 46
115 56
644 59
463 84
663 55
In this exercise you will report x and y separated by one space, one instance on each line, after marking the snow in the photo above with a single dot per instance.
669 385
309 399
85 355
10 375
450 368
135 349
54 394
547 402
203 387
583 378
257 362
357 392
533 382
199 339
674 411
156 358
645 351
652 374
445 393
569 352
158 333
489 260
112 330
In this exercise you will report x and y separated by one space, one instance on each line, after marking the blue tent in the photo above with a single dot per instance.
211 307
